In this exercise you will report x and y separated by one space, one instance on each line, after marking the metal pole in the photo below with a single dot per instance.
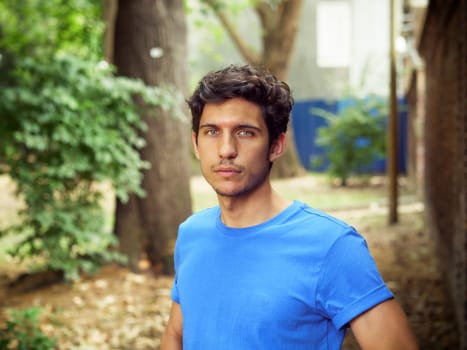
392 136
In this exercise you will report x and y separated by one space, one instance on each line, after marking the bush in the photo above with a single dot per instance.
22 332
353 138
65 125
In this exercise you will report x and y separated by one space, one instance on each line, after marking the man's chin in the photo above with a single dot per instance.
230 192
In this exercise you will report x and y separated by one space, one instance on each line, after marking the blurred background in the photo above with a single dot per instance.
97 171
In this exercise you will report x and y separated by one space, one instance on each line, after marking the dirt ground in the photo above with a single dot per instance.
117 309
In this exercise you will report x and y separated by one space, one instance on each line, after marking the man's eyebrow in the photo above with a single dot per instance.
247 126
239 126
207 125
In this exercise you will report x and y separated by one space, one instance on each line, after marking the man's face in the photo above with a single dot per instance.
233 147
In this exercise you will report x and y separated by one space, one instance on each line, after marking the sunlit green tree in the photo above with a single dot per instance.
66 124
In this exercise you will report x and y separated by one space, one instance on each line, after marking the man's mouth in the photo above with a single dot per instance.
227 170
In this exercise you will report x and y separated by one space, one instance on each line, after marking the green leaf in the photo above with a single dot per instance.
66 124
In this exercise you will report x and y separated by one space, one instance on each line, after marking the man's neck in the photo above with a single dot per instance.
251 210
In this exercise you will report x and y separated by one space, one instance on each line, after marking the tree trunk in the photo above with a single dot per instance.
149 225
280 27
288 165
109 8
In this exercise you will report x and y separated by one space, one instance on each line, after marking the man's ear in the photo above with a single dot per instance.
277 148
195 144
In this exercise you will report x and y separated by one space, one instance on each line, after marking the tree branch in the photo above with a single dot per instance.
247 52
280 25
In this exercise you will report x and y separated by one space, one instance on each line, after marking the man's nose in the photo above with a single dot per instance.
227 148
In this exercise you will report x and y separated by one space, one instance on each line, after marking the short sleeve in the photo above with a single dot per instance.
349 282
174 292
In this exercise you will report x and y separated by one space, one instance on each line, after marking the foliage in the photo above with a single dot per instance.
22 332
37 28
66 124
353 138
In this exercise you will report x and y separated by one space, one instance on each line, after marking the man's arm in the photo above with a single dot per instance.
172 337
384 327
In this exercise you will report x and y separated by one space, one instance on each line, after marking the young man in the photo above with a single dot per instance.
259 271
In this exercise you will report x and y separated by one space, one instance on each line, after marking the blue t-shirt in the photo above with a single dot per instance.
293 282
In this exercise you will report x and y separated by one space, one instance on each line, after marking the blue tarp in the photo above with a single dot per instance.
305 126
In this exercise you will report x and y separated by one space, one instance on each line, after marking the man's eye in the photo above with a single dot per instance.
211 132
245 133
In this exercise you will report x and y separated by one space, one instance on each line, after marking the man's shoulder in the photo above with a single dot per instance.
319 217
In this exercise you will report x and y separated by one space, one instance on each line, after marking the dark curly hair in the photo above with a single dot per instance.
253 84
